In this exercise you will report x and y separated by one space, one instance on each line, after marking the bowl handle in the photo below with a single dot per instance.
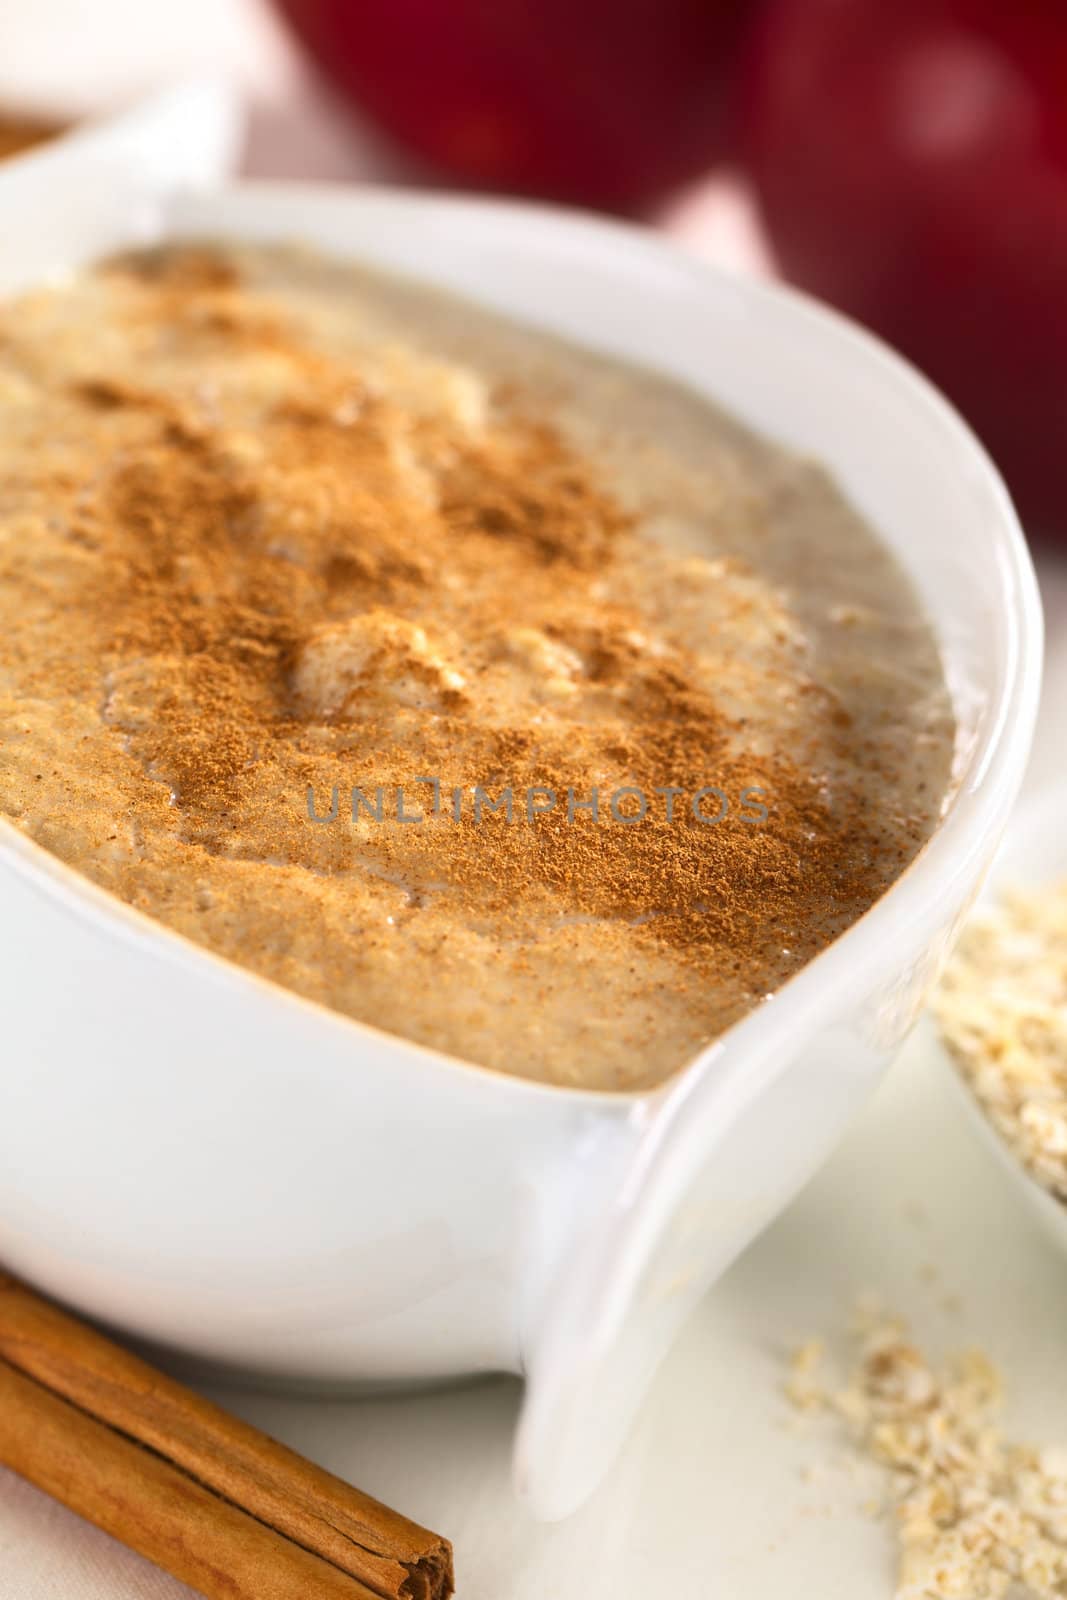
713 1157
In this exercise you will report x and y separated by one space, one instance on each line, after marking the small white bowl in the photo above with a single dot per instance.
1034 855
212 1163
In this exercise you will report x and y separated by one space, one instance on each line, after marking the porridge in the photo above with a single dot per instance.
486 690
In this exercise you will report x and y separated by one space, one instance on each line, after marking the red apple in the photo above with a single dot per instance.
607 103
911 163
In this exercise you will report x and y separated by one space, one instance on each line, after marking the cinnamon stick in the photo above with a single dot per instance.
18 133
204 1495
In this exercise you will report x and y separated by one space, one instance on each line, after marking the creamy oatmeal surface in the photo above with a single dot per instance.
274 530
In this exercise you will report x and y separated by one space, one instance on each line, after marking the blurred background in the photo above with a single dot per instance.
906 161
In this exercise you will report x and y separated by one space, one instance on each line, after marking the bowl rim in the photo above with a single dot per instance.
957 849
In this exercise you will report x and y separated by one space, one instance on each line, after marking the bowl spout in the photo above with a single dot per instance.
716 1156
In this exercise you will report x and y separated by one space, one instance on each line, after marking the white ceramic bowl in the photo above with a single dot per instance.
211 1163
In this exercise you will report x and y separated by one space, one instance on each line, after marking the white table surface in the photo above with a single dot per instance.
713 1497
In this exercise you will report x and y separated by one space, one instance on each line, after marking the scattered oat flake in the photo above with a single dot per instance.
977 1517
803 1384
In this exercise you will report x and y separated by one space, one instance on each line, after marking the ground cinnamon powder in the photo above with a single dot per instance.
333 588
